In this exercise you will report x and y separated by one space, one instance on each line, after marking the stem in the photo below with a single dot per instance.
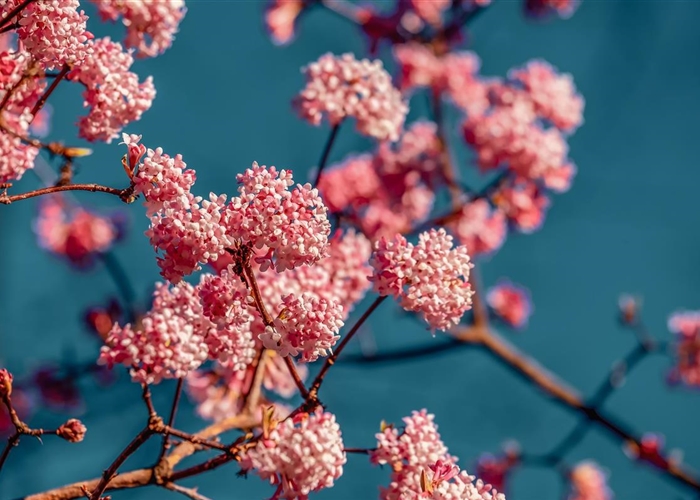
168 430
42 100
330 360
326 152
14 12
249 274
171 418
11 443
134 445
121 193
295 375
149 402
252 397
188 492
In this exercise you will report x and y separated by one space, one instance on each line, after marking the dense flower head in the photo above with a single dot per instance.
301 454
15 64
72 431
291 224
16 157
73 232
5 383
112 92
150 25
307 326
430 278
685 325
589 482
281 18
554 95
430 10
421 466
53 31
524 204
510 303
480 228
341 86
168 342
220 391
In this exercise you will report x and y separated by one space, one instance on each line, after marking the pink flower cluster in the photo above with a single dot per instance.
175 337
524 203
431 10
299 455
219 392
112 92
341 87
391 190
430 278
72 431
589 482
511 303
150 26
291 224
281 18
685 325
307 326
421 465
455 74
54 32
543 8
480 228
73 232
16 157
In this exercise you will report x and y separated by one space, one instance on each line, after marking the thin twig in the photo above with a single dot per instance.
326 153
188 492
171 418
11 15
44 97
121 193
295 375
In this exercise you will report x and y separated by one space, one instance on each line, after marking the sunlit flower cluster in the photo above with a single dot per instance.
301 455
281 18
480 228
341 86
589 482
430 278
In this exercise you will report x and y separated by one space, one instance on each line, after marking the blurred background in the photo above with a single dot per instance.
629 224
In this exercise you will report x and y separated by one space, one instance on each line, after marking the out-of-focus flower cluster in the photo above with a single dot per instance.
510 303
685 325
421 465
589 482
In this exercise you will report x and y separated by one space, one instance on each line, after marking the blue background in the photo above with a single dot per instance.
628 225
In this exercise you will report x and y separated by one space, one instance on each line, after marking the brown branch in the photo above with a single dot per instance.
295 375
330 360
326 153
124 194
44 97
252 397
171 418
188 492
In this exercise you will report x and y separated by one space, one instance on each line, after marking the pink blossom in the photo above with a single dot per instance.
495 469
480 228
430 278
73 232
301 454
281 17
685 325
150 25
14 66
72 431
543 8
511 303
554 95
219 392
348 269
168 343
430 10
112 92
341 86
589 482
524 204
306 326
291 224
53 31
5 383
16 157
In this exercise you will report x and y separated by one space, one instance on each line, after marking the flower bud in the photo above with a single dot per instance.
5 383
72 431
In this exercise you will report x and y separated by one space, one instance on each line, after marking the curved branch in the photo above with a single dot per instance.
123 194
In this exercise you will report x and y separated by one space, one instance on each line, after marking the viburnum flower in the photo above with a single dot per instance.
495 469
301 454
480 228
58 390
511 303
16 157
421 465
341 86
589 482
307 326
543 8
291 224
150 25
112 92
430 10
430 278
14 65
554 95
281 18
168 343
524 204
685 325
5 383
73 232
72 431
53 31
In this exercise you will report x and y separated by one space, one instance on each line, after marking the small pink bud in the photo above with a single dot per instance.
5 383
72 431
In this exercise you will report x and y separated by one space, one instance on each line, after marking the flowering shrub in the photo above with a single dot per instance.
264 286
